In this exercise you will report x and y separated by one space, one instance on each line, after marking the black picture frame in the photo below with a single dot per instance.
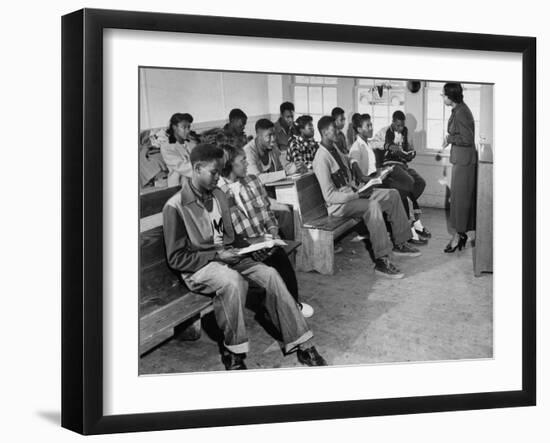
82 218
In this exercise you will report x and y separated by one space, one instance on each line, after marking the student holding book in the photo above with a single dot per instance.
333 171
200 245
253 217
364 167
396 148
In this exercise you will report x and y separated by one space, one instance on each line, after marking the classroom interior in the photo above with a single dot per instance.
441 310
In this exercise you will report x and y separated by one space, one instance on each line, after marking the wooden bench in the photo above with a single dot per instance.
164 301
318 229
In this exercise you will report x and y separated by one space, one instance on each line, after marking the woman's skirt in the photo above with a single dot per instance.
463 197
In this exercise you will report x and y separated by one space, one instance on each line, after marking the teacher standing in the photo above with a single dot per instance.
461 137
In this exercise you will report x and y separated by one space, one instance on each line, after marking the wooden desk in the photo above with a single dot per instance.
285 192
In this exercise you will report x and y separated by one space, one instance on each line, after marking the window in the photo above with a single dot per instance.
437 114
380 99
315 96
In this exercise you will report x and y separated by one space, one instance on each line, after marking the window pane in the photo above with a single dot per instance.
379 123
434 104
317 80
301 79
316 118
365 81
396 97
331 80
435 85
315 100
434 134
447 114
380 111
329 99
363 101
300 99
472 98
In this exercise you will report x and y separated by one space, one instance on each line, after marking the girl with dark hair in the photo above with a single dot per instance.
461 137
177 147
253 217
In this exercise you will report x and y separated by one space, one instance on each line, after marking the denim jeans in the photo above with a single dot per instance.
372 210
229 283
280 261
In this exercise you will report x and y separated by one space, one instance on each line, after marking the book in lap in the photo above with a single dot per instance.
376 180
268 244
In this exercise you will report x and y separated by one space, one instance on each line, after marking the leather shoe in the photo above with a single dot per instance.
310 357
233 362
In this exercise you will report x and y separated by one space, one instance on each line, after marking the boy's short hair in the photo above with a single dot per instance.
286 106
230 153
398 115
237 113
205 153
263 124
303 120
358 119
324 122
337 111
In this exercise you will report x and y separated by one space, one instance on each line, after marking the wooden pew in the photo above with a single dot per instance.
318 230
164 301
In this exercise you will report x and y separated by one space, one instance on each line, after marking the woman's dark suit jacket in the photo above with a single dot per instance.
461 129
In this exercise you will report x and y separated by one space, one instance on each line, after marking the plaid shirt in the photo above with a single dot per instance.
257 219
302 149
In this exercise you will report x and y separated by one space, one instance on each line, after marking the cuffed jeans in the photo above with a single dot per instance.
372 210
229 283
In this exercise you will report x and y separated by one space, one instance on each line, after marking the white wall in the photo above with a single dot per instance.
30 373
207 95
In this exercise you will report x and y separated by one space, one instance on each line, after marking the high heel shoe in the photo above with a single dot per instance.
461 243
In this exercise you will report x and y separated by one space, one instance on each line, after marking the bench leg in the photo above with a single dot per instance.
316 252
190 330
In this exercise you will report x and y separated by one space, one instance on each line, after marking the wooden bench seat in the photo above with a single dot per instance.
319 230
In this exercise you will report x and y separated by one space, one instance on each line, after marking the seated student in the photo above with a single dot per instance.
263 155
175 147
363 159
398 150
302 147
200 241
332 169
284 127
234 130
252 215
350 133
339 116
152 167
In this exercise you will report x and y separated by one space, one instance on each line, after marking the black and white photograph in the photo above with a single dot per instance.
295 220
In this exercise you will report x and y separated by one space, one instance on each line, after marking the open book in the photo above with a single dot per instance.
271 177
268 244
376 180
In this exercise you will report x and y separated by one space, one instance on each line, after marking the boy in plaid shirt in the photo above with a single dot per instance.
252 216
302 147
